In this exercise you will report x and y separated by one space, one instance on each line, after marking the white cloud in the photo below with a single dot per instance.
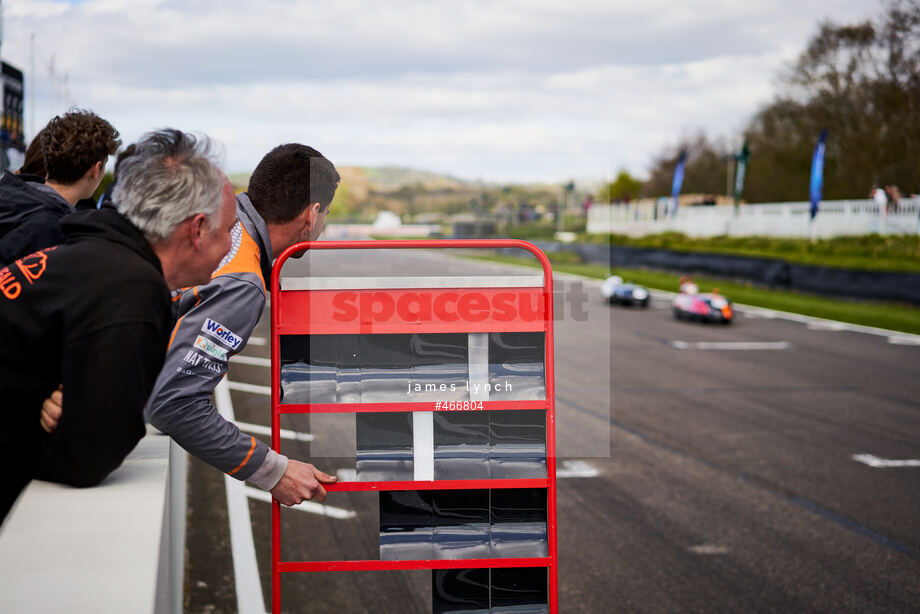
370 81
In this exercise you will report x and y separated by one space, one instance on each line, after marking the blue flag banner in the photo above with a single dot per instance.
741 162
817 174
678 180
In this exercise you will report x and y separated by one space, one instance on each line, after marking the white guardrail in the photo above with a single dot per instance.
835 218
117 547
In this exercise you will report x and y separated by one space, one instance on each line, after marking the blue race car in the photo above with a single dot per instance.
615 292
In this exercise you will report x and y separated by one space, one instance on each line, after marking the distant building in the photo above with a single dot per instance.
386 220
12 128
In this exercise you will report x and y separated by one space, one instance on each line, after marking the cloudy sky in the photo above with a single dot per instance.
535 90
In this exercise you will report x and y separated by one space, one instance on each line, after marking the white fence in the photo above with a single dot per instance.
835 218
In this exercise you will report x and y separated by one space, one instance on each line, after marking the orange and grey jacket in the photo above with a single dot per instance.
214 323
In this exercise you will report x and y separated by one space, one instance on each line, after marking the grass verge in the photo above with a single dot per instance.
891 316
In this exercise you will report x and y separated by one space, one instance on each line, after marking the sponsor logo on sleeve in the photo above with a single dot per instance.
209 347
204 368
221 332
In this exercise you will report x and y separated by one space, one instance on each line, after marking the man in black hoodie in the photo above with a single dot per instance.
75 148
94 313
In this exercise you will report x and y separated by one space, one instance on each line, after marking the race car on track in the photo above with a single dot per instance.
706 307
614 291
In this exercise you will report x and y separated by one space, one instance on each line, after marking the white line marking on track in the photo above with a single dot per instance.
876 462
759 313
843 326
576 469
261 429
708 549
730 345
261 341
834 326
245 568
252 360
899 340
307 506
253 388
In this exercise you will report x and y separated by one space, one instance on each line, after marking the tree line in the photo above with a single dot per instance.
859 81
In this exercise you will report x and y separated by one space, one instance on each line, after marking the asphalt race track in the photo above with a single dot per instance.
703 468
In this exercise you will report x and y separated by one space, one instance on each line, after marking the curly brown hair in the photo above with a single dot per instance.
73 143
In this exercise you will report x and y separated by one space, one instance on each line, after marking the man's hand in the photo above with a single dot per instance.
301 481
52 409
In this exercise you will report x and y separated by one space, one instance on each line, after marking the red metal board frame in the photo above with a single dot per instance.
350 312
284 302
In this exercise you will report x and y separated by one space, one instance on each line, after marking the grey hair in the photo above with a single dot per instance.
171 176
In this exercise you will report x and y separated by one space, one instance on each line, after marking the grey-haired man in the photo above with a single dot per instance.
94 313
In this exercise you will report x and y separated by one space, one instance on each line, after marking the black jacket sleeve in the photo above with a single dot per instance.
108 375
39 231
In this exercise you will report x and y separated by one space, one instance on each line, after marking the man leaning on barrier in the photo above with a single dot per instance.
93 314
289 195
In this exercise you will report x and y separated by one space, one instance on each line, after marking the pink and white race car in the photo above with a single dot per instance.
706 307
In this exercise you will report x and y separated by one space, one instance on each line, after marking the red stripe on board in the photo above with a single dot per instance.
344 408
289 566
437 485
441 310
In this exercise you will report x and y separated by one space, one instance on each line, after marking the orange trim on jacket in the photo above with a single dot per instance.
245 260
245 460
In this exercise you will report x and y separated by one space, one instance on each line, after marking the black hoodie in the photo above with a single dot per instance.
28 218
94 314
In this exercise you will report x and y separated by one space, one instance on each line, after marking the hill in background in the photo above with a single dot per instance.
391 178
382 179
427 196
